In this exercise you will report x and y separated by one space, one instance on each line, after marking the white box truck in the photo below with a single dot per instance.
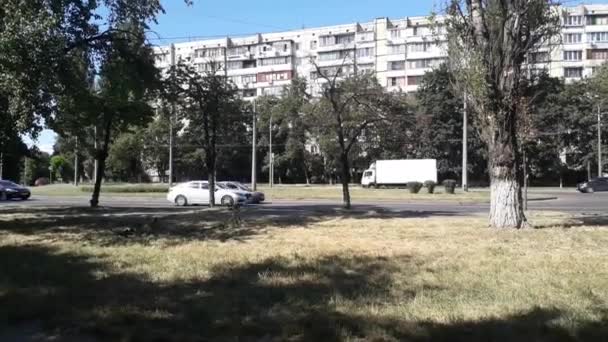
399 172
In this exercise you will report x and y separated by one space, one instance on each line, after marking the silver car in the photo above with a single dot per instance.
256 196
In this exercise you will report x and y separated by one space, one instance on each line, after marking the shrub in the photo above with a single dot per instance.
414 187
430 186
136 188
450 186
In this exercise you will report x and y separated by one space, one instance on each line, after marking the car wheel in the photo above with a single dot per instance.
25 198
589 190
181 201
227 201
3 196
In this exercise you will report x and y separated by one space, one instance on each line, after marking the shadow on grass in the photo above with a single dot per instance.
107 226
74 298
589 220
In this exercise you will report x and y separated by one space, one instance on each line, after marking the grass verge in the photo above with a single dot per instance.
191 275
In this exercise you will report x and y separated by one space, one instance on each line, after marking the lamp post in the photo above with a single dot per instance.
254 184
270 155
599 140
465 180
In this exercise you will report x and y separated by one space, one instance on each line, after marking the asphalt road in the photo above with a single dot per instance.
564 201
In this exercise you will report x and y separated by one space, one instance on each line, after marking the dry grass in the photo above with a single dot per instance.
285 192
364 276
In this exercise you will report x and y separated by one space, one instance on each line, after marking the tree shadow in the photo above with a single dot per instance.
587 220
68 297
116 226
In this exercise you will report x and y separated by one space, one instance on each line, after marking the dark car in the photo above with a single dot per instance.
595 184
10 190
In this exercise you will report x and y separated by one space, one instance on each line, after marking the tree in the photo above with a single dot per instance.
349 105
439 126
52 55
285 117
58 164
212 108
489 41
125 158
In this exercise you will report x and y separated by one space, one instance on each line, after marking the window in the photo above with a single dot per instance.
397 65
396 33
573 55
415 31
366 36
249 93
573 20
396 81
597 20
328 41
345 39
313 45
539 57
276 91
273 61
203 53
597 54
249 64
414 80
365 52
420 47
572 38
274 76
234 65
332 56
424 63
298 45
205 186
249 79
238 50
597 36
397 49
194 185
573 72
363 68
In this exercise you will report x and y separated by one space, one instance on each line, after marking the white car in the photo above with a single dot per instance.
197 192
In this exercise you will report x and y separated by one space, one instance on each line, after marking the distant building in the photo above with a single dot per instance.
398 51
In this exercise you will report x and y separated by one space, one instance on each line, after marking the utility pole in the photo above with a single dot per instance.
24 182
465 152
96 164
1 164
254 184
599 140
171 115
76 163
270 156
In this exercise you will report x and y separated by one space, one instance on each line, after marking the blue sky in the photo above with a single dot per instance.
235 17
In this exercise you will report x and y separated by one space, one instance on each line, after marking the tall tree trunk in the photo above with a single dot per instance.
506 204
345 180
101 156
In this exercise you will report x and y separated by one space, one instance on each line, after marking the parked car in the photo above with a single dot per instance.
595 184
10 190
256 196
197 192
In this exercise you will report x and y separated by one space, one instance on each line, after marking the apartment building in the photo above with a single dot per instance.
398 51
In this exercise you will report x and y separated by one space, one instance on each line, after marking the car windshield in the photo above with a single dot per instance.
7 183
243 187
221 186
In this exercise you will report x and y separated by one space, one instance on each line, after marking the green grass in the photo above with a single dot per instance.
121 190
286 192
367 276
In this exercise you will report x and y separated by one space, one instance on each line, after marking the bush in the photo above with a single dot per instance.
414 187
430 186
137 188
450 186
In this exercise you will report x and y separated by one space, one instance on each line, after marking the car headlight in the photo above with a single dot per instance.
11 190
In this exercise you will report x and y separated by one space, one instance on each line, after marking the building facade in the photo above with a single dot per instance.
399 52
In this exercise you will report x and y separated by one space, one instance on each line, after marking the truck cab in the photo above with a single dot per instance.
369 176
